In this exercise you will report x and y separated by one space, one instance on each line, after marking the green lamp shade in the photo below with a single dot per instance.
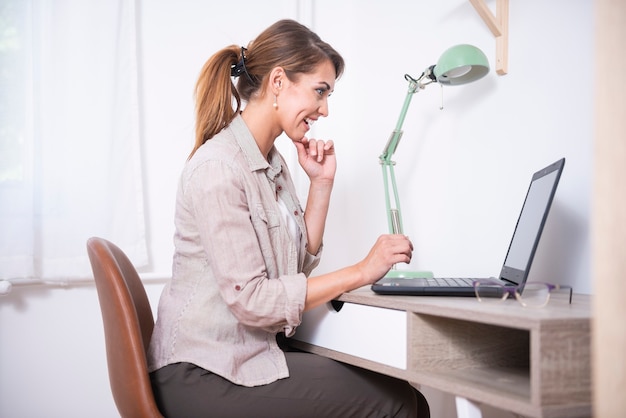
461 64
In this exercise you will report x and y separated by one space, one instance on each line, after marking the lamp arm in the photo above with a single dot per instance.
394 139
394 214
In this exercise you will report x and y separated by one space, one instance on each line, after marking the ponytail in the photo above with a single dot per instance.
214 94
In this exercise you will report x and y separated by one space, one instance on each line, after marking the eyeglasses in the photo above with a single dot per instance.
534 294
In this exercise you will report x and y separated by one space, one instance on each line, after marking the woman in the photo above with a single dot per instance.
245 248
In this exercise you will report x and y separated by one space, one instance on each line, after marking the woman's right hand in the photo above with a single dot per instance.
388 250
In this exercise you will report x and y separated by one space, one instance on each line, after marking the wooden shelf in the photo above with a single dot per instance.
498 24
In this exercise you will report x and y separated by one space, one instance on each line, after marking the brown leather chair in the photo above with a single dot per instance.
128 325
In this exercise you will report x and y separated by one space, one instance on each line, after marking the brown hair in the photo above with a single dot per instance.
286 43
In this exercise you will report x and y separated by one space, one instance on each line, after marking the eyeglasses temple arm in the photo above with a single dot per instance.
571 291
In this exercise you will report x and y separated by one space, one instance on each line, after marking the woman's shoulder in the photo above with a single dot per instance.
222 147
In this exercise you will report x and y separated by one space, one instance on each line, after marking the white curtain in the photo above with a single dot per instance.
70 157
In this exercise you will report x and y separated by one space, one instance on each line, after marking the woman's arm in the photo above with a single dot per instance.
387 251
317 158
316 212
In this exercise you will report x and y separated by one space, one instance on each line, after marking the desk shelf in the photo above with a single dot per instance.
534 362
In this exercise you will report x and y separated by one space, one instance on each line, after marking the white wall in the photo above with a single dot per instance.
462 171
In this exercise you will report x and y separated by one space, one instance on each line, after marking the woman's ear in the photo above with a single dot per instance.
276 79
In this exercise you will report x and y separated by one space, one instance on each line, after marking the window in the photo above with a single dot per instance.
70 160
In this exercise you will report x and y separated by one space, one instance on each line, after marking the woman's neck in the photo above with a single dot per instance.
260 118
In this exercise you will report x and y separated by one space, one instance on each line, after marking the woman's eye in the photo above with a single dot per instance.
321 91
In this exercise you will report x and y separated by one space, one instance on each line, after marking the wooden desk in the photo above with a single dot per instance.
533 362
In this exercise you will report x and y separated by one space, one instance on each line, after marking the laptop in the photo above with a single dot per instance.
519 256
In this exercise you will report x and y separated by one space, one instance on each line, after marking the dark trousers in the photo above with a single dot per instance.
318 387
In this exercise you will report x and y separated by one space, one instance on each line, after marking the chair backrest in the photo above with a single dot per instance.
128 325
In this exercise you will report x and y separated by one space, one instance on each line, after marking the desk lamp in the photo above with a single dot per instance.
458 65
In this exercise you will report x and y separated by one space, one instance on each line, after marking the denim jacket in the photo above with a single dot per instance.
238 276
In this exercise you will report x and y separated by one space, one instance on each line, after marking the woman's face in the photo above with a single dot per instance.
302 101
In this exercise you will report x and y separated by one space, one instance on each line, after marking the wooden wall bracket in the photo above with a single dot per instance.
499 27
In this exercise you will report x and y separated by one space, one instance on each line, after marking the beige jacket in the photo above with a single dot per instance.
238 277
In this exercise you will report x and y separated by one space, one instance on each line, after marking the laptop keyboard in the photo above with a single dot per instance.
449 282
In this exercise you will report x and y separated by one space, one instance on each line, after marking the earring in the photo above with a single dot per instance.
275 104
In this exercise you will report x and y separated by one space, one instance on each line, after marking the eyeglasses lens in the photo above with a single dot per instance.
534 294
490 293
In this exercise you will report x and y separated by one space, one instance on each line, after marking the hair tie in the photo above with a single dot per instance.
239 68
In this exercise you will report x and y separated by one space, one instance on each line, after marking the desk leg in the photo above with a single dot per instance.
467 409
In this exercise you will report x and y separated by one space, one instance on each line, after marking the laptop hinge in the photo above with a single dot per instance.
509 281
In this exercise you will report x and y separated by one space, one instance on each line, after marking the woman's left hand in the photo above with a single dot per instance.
317 158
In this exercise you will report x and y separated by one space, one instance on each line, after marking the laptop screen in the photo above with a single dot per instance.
530 223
